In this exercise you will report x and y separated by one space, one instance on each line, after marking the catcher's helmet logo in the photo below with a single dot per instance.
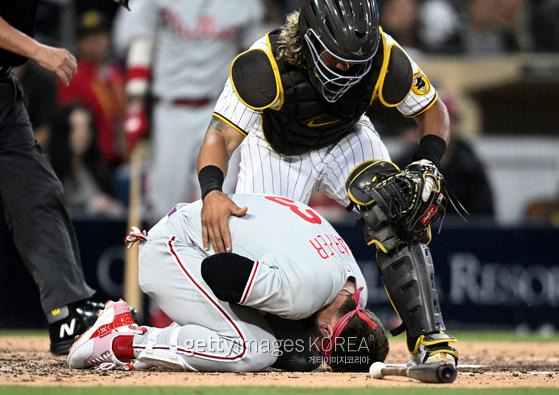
360 52
421 85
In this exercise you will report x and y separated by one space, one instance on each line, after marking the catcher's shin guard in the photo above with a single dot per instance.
409 279
408 276
388 200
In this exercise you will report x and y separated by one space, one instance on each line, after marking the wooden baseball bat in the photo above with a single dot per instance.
132 293
442 373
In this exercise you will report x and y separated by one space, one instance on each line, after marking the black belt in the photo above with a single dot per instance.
185 102
5 71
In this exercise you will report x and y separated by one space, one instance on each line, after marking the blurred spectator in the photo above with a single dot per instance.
543 210
439 27
399 19
555 211
288 6
514 21
274 13
76 160
99 84
466 176
473 27
481 35
179 56
545 26
40 99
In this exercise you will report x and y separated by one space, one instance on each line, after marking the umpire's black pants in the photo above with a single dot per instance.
31 197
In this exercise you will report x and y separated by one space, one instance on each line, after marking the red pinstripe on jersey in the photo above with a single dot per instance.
250 282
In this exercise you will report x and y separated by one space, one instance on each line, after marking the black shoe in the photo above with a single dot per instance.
78 317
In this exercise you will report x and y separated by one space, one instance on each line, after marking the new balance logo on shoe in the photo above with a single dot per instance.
67 330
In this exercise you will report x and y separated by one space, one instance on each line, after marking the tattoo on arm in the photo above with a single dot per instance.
221 130
217 124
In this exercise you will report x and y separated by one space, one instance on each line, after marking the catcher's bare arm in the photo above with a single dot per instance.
435 121
219 143
434 129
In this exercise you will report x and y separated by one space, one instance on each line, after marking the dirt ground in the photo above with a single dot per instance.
26 361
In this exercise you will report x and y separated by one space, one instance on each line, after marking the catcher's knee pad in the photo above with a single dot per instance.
363 178
409 279
377 231
407 201
360 188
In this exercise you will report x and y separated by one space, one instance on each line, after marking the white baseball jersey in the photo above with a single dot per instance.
262 170
313 262
301 264
194 41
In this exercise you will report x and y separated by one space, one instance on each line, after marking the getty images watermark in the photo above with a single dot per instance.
306 346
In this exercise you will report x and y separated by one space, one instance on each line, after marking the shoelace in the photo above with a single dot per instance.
107 361
106 366
135 235
104 360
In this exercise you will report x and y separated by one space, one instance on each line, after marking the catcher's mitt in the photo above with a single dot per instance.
410 199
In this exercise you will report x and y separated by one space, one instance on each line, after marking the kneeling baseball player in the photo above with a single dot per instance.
289 295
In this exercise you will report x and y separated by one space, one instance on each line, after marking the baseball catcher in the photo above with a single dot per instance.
291 297
296 100
397 208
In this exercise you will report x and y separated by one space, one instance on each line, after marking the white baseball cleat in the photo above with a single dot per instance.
94 348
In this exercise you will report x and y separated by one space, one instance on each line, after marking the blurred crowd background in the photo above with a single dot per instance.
495 63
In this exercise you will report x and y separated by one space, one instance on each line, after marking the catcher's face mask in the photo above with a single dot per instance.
334 83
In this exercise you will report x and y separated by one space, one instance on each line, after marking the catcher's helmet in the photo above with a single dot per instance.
348 30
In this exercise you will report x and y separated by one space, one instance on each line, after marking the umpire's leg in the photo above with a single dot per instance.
32 202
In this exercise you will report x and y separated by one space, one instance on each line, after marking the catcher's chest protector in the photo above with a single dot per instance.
306 121
295 117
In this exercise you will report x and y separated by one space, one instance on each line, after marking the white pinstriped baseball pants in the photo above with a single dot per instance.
262 170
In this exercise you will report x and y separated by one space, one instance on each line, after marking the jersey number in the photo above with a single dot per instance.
308 215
